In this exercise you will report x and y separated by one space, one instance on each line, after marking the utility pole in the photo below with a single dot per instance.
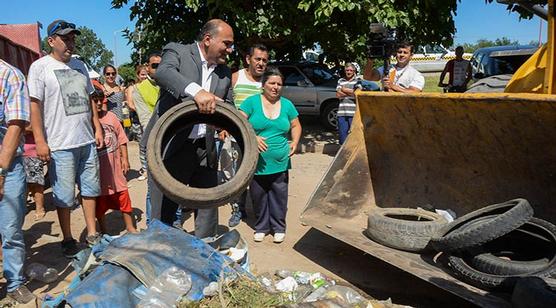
116 49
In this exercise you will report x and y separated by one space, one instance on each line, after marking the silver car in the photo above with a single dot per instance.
312 89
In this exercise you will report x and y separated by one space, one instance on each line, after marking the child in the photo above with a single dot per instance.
114 164
34 173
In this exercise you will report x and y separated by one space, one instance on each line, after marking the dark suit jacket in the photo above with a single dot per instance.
180 66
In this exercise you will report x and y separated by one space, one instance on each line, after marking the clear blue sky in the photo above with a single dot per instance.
474 20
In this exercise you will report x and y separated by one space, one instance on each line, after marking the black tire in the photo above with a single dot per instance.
186 114
488 281
530 241
533 292
390 227
329 115
510 215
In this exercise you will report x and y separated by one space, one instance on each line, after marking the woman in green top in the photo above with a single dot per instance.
272 117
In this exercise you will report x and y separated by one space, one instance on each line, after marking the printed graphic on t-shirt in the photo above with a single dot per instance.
110 140
460 72
73 86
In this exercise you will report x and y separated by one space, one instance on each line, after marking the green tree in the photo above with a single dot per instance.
288 27
91 49
471 47
127 71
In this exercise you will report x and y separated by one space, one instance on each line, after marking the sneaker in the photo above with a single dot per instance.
94 239
142 175
259 237
279 237
70 248
22 295
235 219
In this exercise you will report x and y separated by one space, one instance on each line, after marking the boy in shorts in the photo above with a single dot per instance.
114 164
34 173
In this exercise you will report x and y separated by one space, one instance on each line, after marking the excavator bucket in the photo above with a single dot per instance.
452 151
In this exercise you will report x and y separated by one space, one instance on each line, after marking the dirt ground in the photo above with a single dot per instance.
304 249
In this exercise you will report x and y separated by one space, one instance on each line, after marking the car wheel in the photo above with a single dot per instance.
329 116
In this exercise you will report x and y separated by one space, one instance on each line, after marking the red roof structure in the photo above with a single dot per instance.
20 44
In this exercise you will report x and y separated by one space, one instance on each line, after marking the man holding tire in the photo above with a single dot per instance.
196 72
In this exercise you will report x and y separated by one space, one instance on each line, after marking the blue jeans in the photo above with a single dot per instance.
68 167
143 156
12 213
344 124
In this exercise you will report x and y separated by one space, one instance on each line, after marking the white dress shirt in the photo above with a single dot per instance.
193 88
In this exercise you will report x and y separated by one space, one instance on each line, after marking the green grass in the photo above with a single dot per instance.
431 83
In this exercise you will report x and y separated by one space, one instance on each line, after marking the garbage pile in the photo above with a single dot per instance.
285 289
153 268
164 267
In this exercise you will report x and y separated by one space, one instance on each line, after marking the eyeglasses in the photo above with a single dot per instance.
61 25
154 65
110 74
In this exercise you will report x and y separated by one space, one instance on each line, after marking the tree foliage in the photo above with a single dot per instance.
523 13
89 47
471 47
127 71
288 27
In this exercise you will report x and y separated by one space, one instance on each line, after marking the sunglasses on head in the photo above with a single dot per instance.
61 25
154 65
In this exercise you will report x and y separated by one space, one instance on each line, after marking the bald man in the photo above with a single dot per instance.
195 72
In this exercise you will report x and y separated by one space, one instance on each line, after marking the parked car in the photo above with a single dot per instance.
493 67
312 89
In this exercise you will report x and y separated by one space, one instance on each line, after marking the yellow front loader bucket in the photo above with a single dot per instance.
453 151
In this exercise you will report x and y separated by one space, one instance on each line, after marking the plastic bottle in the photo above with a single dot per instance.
42 273
167 289
125 117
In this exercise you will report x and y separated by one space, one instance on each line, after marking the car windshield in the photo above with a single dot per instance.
318 75
435 49
505 65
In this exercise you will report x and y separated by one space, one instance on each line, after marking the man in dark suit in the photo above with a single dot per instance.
195 72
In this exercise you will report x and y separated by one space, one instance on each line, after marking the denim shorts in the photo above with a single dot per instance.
74 166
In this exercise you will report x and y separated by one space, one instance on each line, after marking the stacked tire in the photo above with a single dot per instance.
404 228
498 246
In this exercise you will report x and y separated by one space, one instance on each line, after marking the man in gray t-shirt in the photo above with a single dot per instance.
66 129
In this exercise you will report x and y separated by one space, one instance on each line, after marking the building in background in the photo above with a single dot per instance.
20 44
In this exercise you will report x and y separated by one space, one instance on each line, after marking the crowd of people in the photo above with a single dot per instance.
60 119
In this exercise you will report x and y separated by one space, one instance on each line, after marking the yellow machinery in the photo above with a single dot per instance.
454 151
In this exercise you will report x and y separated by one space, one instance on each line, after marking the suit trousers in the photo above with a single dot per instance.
186 160
270 199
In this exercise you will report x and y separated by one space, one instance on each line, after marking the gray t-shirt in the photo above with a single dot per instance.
63 90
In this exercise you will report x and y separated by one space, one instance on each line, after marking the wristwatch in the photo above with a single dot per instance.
3 172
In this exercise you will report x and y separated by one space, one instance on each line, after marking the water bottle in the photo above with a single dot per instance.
42 273
126 119
167 289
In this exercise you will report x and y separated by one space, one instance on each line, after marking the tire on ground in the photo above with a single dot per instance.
402 228
509 216
533 242
186 114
